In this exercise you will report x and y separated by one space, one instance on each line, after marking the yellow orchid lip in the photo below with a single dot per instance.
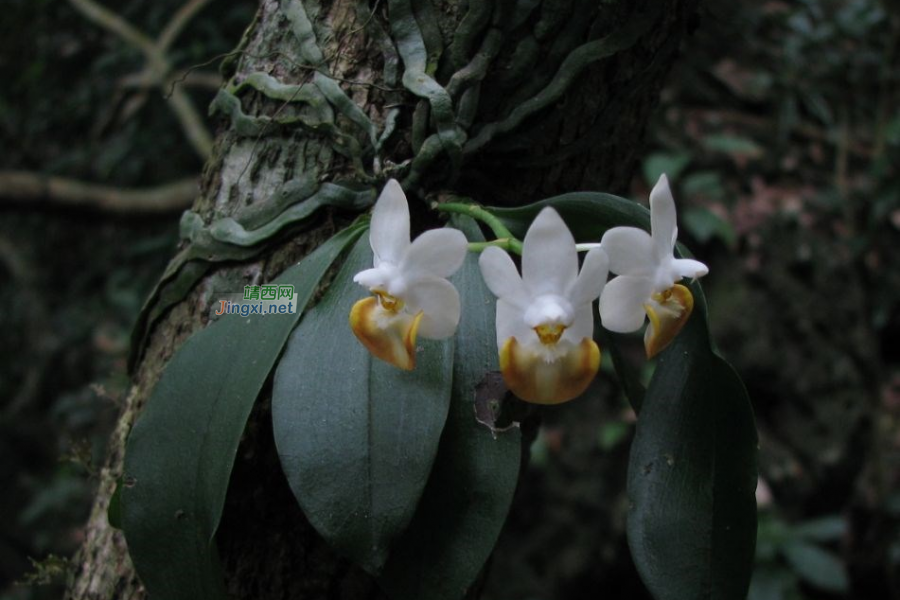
531 377
549 334
668 313
388 302
387 332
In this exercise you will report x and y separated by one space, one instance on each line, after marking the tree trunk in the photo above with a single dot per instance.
544 101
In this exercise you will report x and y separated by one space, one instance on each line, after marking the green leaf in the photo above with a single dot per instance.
588 214
817 567
629 377
705 225
732 145
355 435
703 183
611 434
772 583
771 535
474 476
824 529
181 451
670 163
692 474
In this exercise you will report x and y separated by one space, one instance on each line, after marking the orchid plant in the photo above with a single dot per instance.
388 432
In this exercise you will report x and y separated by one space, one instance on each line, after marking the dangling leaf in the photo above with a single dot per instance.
692 474
355 435
474 476
181 451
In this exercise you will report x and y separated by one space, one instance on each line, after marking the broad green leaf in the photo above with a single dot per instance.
692 475
474 476
817 567
181 451
355 435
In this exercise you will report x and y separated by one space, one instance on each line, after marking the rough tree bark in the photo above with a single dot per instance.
564 117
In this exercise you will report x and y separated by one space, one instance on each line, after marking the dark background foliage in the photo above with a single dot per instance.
780 130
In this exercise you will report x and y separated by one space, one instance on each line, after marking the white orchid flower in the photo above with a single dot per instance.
411 294
648 276
545 323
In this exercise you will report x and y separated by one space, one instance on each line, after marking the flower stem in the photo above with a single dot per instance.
477 212
505 238
508 244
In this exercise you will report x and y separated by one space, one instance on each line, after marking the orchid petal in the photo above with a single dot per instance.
591 279
582 327
502 277
630 250
549 258
439 302
435 253
510 324
622 303
687 267
663 226
372 278
389 337
389 231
